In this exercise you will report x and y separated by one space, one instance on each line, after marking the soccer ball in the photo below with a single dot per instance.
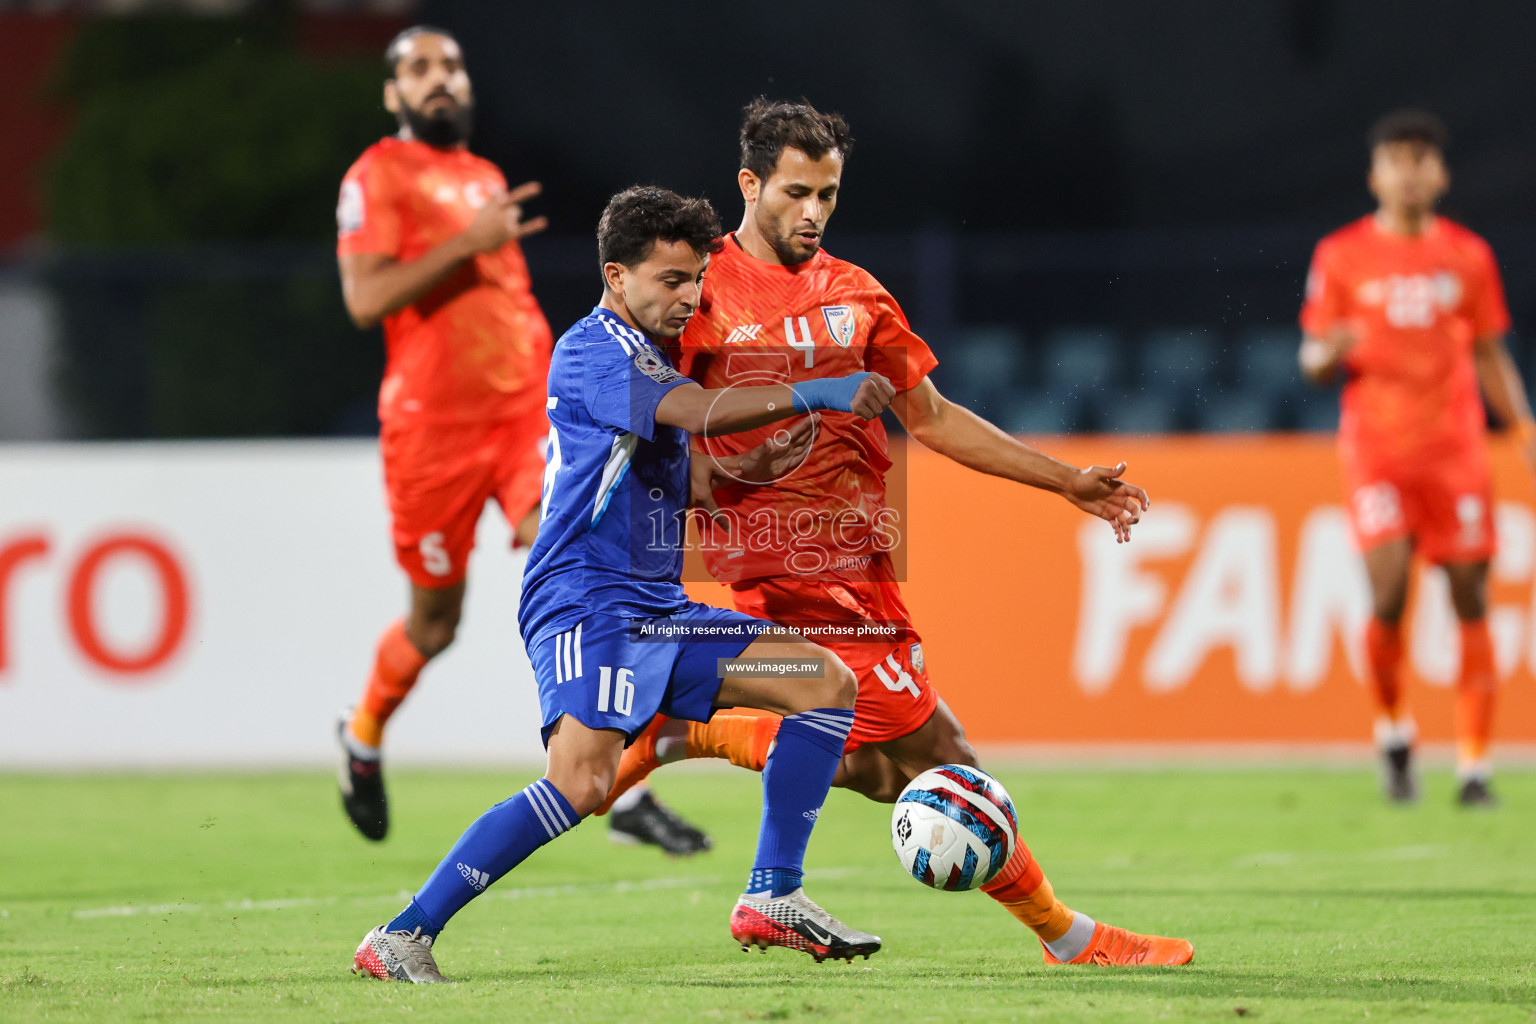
954 828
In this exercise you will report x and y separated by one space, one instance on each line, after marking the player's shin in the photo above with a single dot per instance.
744 740
1024 891
498 841
796 778
1475 693
396 665
1384 652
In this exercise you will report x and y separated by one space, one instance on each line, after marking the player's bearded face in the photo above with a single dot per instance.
794 204
430 93
663 291
441 124
1408 174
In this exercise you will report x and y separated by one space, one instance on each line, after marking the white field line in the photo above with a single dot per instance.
523 893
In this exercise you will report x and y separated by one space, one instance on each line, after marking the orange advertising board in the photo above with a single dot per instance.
1233 615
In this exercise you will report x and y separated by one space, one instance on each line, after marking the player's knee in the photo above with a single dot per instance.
842 684
432 634
1389 607
584 789
1470 602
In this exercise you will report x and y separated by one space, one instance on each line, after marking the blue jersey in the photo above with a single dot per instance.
616 489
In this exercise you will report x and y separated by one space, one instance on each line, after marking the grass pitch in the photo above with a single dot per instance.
241 898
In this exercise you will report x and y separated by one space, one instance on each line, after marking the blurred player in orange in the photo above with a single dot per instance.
1408 307
813 549
428 244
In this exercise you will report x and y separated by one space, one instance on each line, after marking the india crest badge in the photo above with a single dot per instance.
839 323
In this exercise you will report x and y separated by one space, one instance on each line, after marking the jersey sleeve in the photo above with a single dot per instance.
1487 308
895 351
623 383
368 211
1324 305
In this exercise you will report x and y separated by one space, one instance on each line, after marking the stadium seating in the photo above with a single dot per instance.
1136 411
1237 411
982 368
1078 359
1179 366
1036 411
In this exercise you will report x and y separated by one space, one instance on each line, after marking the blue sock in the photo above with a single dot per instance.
795 782
498 841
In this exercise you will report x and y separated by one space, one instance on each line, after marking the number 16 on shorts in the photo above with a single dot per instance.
615 690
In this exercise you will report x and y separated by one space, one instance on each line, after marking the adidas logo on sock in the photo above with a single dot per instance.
475 877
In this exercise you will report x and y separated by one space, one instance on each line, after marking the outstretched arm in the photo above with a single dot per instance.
1505 392
733 410
959 434
374 285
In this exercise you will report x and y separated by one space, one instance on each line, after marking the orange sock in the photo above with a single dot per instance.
1024 891
1475 691
395 668
1384 652
743 739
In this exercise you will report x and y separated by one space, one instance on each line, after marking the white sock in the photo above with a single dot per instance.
1071 945
1399 733
357 748
1468 770
630 798
672 742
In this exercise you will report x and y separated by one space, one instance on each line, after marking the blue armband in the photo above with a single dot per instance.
834 393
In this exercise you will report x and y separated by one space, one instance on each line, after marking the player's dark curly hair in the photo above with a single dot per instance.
396 47
769 126
639 217
1408 126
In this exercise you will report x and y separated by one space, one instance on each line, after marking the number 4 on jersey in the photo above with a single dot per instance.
897 679
805 343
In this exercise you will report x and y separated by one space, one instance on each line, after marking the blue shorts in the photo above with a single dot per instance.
616 672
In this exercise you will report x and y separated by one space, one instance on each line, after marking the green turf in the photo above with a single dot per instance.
241 898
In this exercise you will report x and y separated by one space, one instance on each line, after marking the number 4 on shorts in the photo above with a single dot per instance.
897 678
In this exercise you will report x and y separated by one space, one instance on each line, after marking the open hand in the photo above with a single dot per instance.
500 220
780 454
1099 491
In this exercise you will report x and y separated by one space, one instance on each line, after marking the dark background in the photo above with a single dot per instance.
1099 213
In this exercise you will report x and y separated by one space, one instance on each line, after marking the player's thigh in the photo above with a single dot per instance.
817 677
1387 565
939 740
437 481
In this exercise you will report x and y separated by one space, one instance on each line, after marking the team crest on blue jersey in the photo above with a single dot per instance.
839 323
655 367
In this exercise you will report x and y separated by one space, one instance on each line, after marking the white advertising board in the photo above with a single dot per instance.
218 603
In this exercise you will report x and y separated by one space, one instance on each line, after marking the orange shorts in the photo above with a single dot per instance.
895 696
1444 505
439 477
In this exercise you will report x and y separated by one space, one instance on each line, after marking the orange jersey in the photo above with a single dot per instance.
761 323
475 348
1417 306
